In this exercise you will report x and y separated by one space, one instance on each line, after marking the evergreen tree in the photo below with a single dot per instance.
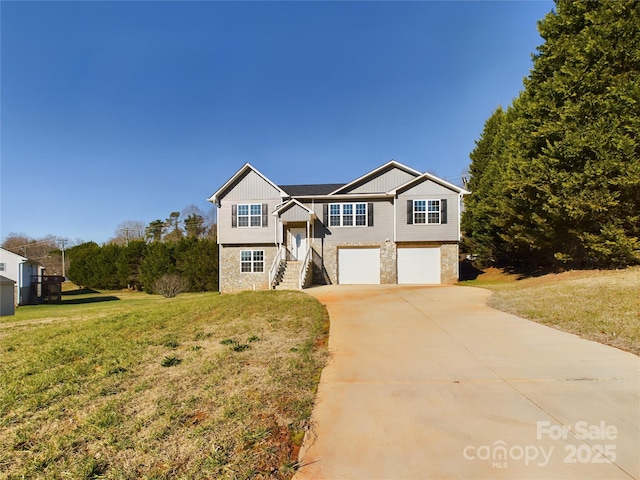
158 260
568 163
481 206
173 232
82 263
128 264
105 274
194 225
153 232
197 262
581 176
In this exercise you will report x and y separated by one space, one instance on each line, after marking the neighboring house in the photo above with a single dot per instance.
7 293
392 225
24 273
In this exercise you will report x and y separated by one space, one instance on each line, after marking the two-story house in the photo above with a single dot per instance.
391 225
24 273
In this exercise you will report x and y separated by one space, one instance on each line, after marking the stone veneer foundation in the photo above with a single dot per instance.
449 262
388 260
233 280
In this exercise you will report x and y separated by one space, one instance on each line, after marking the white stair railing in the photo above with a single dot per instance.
275 266
304 267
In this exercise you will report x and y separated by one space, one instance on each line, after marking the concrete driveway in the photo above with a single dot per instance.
430 383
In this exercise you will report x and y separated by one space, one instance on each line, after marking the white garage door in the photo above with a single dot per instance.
419 266
358 266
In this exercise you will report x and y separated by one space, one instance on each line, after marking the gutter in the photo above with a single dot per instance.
352 196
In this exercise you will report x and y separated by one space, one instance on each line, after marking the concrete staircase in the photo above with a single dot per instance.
291 276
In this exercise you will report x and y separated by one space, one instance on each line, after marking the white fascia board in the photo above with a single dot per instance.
215 198
374 172
428 176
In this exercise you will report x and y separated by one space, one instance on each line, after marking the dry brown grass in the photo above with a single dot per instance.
600 305
88 396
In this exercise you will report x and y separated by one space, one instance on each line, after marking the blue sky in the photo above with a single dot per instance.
116 111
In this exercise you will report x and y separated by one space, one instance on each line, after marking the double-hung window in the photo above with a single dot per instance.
250 215
427 212
252 261
348 214
433 211
361 214
335 217
419 211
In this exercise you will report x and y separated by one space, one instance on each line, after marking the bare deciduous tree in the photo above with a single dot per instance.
128 231
46 251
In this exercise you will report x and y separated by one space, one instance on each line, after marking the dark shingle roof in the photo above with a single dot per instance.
304 190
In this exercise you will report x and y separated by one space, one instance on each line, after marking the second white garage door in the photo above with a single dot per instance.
419 266
358 266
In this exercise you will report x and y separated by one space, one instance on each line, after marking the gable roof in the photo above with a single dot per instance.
16 257
307 190
215 198
373 173
433 178
292 203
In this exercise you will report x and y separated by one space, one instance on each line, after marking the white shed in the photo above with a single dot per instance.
7 297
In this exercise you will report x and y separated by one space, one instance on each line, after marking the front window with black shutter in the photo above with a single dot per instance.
246 215
427 212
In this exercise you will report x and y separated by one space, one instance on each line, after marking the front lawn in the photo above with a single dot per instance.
130 385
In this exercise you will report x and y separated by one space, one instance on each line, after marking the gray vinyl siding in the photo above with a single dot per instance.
381 230
295 214
251 188
427 232
428 187
383 182
249 235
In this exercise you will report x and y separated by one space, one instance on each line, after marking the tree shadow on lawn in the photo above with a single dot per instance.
85 291
468 271
79 301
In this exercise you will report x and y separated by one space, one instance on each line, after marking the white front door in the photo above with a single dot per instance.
297 243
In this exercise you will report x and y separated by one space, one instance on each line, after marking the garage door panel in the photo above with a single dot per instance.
420 266
358 266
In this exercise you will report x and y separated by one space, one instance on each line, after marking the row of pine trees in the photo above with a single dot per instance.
139 265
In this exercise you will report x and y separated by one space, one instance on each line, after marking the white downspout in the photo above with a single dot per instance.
395 220
459 216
